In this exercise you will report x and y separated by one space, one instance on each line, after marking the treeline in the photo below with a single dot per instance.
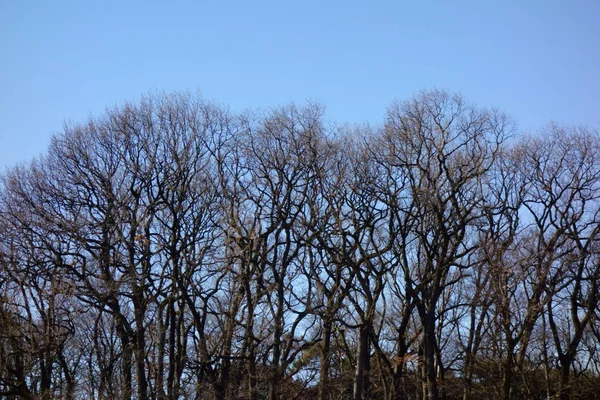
172 249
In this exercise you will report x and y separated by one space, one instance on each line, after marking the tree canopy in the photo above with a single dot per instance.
173 249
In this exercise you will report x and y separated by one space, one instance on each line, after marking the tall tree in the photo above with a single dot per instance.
446 147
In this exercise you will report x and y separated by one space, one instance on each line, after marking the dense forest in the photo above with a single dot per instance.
174 249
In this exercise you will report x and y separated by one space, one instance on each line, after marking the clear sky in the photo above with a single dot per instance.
538 60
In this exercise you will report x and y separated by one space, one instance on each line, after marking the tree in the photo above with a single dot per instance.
446 148
565 207
171 248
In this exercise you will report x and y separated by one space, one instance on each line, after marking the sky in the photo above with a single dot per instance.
64 61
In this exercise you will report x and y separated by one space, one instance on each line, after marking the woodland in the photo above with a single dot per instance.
174 249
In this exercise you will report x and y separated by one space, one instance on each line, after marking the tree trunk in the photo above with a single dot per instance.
250 344
171 391
565 369
362 362
399 390
429 342
126 383
275 373
507 376
252 375
324 368
142 383
162 344
45 375
69 381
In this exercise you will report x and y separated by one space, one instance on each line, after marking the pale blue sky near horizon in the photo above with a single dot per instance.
537 60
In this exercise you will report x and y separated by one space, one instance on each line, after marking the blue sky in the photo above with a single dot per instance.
538 60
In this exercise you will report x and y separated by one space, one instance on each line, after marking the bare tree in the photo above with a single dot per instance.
173 249
566 184
446 148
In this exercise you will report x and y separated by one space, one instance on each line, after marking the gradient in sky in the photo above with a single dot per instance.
538 60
